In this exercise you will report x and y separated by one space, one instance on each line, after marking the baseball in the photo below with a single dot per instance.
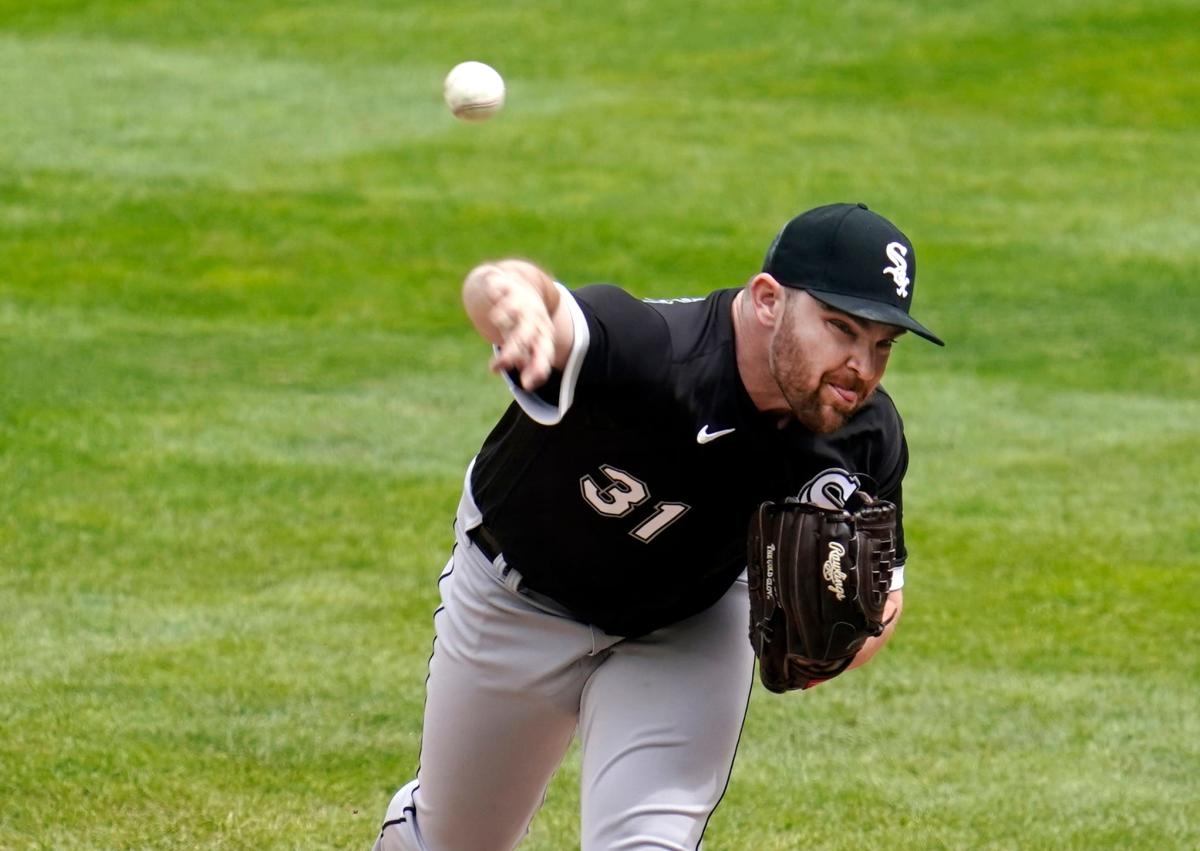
474 91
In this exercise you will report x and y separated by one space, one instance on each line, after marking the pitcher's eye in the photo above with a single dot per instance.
843 327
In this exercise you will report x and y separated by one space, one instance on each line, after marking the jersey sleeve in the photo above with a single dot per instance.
619 341
630 344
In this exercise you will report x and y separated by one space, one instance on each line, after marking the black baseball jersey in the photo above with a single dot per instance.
631 510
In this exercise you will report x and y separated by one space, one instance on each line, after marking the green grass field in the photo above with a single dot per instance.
237 392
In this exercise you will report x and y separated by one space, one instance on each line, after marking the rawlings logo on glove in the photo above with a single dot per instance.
832 571
818 582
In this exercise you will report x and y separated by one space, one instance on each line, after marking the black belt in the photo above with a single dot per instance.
487 543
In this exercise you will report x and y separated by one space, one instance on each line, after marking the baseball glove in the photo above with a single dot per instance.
818 583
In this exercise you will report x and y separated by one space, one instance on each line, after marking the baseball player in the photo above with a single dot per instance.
597 587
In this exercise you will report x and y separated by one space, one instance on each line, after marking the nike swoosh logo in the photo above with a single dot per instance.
705 436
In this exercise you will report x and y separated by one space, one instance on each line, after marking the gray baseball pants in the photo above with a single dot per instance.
514 677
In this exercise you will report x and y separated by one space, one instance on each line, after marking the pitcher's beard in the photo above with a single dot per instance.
807 407
814 414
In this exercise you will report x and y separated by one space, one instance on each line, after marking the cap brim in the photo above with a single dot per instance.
877 311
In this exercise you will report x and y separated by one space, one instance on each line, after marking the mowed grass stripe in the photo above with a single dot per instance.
129 111
132 112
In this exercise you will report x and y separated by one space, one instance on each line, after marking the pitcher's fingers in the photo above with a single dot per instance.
512 354
537 370
504 316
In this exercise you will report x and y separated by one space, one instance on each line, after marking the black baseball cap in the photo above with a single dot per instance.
851 259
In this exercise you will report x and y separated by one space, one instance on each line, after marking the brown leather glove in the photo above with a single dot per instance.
818 583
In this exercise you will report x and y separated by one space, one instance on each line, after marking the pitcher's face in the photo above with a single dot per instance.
827 363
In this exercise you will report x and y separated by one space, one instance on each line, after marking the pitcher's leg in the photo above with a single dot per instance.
659 726
501 708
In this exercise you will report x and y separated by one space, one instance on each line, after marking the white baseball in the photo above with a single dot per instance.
474 91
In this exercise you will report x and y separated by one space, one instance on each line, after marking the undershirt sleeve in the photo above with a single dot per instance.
891 489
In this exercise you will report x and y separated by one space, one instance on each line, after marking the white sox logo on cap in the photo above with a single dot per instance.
833 253
896 252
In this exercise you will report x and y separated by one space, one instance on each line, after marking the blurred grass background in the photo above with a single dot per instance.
237 394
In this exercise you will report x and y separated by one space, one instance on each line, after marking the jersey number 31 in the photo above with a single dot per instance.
621 494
